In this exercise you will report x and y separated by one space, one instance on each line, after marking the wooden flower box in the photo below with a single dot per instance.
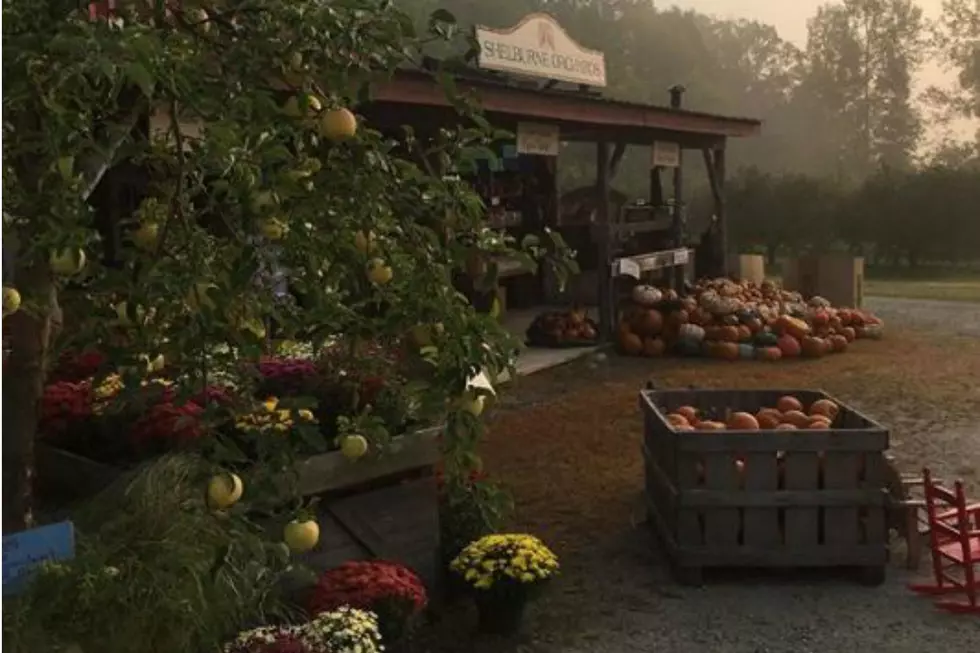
385 507
812 498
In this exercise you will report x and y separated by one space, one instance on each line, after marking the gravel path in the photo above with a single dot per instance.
956 318
616 595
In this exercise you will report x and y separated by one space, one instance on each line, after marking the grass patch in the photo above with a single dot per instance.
959 290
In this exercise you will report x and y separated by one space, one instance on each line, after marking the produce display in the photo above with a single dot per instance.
729 320
571 328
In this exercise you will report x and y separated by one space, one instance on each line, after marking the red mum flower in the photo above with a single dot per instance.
386 588
76 366
63 404
169 424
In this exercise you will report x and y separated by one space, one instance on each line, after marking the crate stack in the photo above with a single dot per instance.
765 498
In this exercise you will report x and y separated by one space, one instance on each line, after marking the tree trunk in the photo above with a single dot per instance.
30 332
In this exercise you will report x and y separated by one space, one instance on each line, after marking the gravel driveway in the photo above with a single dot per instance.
956 318
616 595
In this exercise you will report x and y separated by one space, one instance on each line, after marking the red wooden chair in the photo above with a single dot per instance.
954 539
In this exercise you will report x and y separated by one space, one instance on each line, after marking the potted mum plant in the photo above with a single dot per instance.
344 630
390 590
504 572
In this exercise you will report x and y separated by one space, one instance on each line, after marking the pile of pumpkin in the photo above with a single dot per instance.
789 414
729 320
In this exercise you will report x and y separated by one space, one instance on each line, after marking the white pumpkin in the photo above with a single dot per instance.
645 295
691 332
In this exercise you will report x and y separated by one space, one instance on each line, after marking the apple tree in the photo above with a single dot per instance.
181 176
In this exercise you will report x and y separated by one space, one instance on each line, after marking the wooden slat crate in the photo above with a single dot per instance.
806 498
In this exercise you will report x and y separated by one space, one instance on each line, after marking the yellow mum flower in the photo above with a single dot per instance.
305 414
271 403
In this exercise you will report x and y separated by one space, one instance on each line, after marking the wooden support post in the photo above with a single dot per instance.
678 228
604 273
617 158
719 175
656 188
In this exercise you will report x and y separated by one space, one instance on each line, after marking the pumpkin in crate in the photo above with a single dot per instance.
789 346
653 347
744 333
746 351
644 295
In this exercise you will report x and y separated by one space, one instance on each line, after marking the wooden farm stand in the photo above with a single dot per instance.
575 113
813 498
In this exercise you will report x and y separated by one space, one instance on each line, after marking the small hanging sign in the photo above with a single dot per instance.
666 154
537 139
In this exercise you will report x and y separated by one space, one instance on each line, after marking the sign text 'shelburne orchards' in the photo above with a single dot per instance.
539 47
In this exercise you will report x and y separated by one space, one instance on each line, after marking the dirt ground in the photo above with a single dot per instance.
567 444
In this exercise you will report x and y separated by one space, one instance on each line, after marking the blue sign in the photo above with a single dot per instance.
25 551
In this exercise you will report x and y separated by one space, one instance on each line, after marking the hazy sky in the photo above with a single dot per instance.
790 16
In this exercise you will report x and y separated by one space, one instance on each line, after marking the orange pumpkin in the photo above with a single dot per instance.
744 333
769 418
727 351
630 343
742 422
786 426
824 408
787 403
812 347
838 344
675 419
710 425
690 413
797 418
653 347
728 334
677 318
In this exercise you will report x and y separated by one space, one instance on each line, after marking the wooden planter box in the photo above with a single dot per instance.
386 507
803 498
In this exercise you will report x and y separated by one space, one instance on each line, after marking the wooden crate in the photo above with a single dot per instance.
802 499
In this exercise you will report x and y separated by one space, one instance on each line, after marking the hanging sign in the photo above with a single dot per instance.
539 47
23 552
666 155
538 139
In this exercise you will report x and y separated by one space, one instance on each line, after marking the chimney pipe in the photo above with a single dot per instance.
676 94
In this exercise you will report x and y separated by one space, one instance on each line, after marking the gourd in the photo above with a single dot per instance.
766 339
645 295
746 351
691 332
727 350
789 345
769 353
